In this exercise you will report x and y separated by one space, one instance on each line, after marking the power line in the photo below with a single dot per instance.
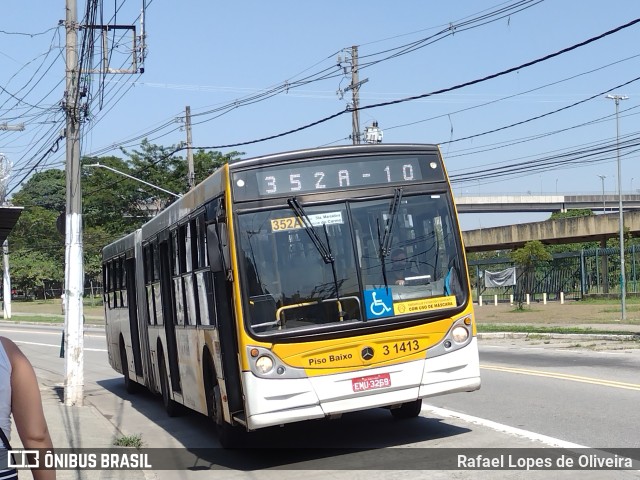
538 117
443 90
324 74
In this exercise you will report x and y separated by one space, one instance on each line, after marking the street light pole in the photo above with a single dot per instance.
604 202
133 178
616 99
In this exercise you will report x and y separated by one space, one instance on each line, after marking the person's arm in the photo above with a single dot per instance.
26 406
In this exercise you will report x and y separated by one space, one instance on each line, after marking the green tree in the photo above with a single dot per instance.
36 247
572 213
531 255
113 205
110 200
44 189
161 166
30 269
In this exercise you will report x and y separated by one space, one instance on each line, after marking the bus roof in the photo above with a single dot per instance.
336 151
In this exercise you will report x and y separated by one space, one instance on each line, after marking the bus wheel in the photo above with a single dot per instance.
129 385
229 436
407 410
170 406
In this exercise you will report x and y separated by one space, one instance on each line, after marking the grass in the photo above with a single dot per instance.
50 311
572 317
134 441
533 329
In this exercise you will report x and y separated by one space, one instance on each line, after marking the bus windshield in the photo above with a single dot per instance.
350 262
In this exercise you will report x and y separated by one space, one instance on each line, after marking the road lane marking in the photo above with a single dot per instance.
499 427
40 332
45 332
58 346
564 376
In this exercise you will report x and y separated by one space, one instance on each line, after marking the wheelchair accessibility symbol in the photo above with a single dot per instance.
379 303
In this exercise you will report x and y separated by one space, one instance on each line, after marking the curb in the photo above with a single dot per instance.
560 336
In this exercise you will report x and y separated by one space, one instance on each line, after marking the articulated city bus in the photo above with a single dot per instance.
298 286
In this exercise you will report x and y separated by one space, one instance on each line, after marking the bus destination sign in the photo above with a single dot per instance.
335 174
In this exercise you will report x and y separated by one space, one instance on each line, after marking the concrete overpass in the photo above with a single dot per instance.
543 203
567 230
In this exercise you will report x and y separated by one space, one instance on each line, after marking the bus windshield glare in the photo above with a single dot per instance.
377 268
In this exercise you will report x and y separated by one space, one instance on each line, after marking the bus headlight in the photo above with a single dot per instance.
460 334
264 364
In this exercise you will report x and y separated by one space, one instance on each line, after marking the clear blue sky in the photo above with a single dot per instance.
208 54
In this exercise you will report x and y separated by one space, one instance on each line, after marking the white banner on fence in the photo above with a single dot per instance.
503 278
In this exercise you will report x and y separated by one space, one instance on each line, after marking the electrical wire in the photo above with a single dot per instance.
327 73
442 90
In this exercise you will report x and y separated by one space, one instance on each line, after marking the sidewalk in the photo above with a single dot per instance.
80 428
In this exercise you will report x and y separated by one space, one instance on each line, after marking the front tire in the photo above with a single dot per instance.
407 410
229 436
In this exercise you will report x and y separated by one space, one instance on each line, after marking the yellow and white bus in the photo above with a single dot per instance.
298 286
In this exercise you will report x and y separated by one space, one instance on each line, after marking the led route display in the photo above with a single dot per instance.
335 174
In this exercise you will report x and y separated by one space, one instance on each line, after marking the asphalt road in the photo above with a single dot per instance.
532 397
573 394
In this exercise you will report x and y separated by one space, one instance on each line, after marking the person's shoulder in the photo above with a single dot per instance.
7 343
13 351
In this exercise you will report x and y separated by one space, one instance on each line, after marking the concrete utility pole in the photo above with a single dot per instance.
5 171
75 112
6 282
355 87
623 295
74 281
192 173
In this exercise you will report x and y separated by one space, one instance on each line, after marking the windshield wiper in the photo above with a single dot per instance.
324 250
385 241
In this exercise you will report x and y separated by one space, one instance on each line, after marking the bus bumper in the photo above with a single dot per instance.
279 401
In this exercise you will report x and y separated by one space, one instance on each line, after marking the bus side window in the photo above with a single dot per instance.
105 284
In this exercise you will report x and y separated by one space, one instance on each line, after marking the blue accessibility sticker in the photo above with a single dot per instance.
378 302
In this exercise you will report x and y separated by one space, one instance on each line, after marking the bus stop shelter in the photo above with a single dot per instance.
8 219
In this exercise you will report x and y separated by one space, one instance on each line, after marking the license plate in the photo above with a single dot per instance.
371 382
